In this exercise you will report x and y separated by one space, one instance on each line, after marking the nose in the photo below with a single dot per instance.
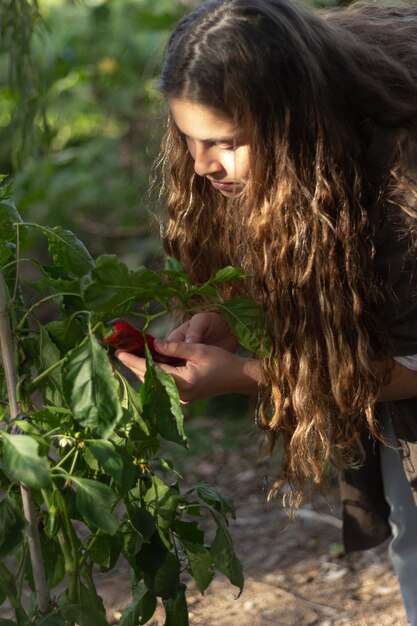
205 162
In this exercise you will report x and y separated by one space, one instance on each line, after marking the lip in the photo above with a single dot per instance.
225 186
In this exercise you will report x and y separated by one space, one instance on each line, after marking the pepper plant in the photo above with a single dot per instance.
83 479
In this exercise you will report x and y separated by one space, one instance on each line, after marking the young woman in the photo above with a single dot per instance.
291 151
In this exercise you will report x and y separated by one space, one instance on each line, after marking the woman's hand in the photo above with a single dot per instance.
209 370
208 328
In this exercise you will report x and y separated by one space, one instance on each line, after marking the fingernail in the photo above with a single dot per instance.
189 340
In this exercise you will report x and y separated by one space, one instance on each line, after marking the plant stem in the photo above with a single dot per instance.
42 301
73 575
8 586
67 456
46 372
52 367
32 532
62 538
16 280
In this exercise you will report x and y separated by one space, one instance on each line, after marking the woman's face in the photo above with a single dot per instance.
219 148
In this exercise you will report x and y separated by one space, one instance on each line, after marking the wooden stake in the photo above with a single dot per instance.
7 352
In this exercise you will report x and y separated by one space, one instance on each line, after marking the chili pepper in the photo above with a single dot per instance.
122 336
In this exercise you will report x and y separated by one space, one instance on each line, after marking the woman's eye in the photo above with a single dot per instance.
226 147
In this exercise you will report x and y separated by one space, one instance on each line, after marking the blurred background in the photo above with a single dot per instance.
80 119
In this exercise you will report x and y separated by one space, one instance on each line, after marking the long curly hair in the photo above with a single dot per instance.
317 93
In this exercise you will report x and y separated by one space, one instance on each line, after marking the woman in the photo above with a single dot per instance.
291 152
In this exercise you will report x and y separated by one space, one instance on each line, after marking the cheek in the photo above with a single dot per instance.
241 164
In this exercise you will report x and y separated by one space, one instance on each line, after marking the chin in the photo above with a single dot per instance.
233 192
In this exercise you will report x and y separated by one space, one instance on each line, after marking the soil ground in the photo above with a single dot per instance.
295 574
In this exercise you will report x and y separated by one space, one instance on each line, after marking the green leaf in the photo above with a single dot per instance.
116 464
105 551
53 561
133 405
7 622
142 521
7 250
176 272
65 333
142 607
53 619
188 531
225 559
95 502
248 324
86 611
221 503
161 566
176 609
200 562
107 288
228 273
8 217
167 576
111 289
68 252
6 186
131 543
58 285
28 428
161 501
54 514
203 290
23 463
107 455
12 524
90 388
52 417
161 405
49 354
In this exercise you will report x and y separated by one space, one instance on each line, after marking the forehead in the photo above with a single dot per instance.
201 122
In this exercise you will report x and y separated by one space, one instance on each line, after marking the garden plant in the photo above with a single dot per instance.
83 479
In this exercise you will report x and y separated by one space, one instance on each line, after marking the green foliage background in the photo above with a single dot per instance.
80 119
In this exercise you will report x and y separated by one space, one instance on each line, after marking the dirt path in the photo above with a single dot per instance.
293 577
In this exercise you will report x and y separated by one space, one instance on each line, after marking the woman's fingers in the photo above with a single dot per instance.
197 328
208 328
191 331
179 334
208 371
135 363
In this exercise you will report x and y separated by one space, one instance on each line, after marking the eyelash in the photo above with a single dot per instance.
227 148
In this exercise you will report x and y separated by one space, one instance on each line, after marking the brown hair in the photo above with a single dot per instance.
316 92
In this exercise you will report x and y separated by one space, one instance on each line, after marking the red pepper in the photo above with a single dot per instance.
122 336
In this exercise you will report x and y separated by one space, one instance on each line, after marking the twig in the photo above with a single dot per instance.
6 345
319 606
315 516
